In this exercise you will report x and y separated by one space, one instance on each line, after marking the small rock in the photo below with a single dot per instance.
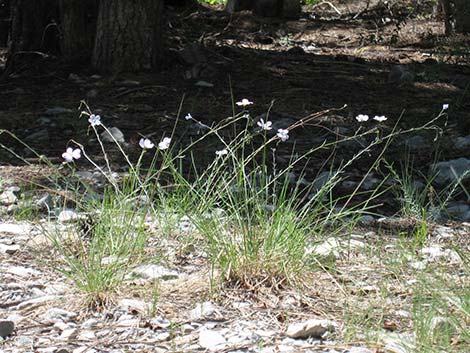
6 328
153 272
202 310
113 135
93 93
8 197
21 271
9 249
132 305
330 247
451 171
415 142
462 142
311 328
70 216
68 333
211 340
204 84
74 78
129 83
58 111
54 314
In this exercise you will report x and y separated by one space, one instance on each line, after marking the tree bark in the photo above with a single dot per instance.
128 35
78 27
462 16
34 26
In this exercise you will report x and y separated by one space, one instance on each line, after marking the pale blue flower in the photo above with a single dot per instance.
164 144
94 120
244 102
283 134
268 125
70 154
221 152
362 118
146 144
380 119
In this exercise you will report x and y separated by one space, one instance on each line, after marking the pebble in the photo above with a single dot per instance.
112 135
451 171
211 340
202 310
6 328
311 328
154 272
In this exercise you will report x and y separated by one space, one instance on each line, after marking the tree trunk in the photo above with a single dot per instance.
462 16
78 24
266 8
34 26
4 22
128 35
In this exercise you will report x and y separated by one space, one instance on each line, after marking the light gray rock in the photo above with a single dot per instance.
70 216
8 197
58 111
111 135
6 328
458 210
211 340
21 271
202 310
415 142
451 171
93 93
15 228
204 84
312 328
55 314
154 272
134 305
462 142
9 249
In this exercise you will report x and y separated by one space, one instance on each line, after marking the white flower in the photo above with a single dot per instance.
70 154
221 152
380 118
445 106
188 116
164 144
94 120
283 134
244 102
268 125
146 144
362 117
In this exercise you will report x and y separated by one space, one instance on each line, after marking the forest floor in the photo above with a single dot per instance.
379 292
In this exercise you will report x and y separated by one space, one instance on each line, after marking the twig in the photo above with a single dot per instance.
132 90
327 3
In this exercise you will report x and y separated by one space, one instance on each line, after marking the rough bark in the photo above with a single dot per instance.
4 22
34 26
462 16
128 35
78 27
